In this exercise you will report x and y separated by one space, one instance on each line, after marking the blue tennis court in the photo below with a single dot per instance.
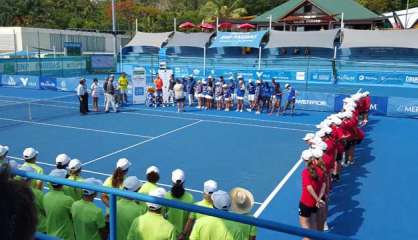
259 153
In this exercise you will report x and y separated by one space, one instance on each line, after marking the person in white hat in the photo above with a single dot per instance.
178 217
291 99
251 95
258 96
364 108
89 221
39 198
153 176
58 209
227 97
240 95
116 180
218 95
74 172
209 93
129 209
3 153
30 156
308 138
62 160
209 187
199 94
152 225
242 201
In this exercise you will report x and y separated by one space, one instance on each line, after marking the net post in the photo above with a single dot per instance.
112 217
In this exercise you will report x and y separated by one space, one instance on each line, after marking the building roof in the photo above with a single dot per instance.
407 21
352 9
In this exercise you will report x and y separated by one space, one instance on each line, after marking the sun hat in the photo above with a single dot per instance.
3 150
177 176
74 165
308 136
221 200
123 164
242 200
132 183
306 155
210 186
152 169
62 158
158 192
29 153
93 181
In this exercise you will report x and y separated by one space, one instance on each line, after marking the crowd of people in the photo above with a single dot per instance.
70 213
329 149
224 95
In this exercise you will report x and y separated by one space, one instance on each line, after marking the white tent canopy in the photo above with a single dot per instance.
379 38
181 39
314 39
408 18
143 39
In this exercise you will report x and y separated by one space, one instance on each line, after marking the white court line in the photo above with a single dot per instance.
140 143
277 189
108 175
77 128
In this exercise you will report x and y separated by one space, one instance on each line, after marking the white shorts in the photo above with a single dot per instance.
218 98
200 95
251 97
240 98
227 99
208 97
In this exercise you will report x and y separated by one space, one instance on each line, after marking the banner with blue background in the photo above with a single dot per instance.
238 39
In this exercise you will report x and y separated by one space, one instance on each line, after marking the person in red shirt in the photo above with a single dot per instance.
365 108
158 82
337 135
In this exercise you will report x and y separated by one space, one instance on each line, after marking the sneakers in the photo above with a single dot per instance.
237 110
257 112
227 110
240 110
249 109
326 228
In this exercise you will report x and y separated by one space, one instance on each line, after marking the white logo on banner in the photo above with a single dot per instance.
361 77
408 109
63 85
259 74
412 79
300 76
196 72
24 81
311 102
212 72
11 81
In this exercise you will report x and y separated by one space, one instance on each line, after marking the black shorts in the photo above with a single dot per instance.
180 99
339 157
305 211
349 144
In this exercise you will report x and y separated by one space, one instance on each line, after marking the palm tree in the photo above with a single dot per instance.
222 9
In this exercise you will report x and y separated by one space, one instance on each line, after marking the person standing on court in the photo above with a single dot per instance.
152 225
110 95
94 88
179 96
59 222
81 93
158 82
291 99
89 222
123 83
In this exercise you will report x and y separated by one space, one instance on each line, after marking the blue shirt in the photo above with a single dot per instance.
218 91
199 88
266 90
251 88
258 90
241 91
292 94
190 86
227 93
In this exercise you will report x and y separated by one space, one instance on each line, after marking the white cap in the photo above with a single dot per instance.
158 192
221 200
225 85
317 152
258 81
316 140
309 136
74 165
250 80
366 93
132 183
287 85
204 81
321 145
93 181
62 158
177 175
29 153
336 120
152 169
327 130
210 76
210 186
3 150
240 76
320 134
306 155
123 163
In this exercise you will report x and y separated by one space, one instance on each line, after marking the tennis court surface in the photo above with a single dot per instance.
374 199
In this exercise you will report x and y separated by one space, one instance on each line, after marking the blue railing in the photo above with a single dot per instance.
114 193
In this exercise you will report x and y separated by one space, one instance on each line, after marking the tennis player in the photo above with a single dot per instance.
218 95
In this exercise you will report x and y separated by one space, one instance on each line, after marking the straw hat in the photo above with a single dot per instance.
242 200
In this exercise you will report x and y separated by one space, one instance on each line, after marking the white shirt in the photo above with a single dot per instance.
178 90
81 90
94 89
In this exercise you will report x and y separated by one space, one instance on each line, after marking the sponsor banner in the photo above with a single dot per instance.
379 105
320 76
139 84
20 81
238 39
403 107
67 84
47 83
411 78
393 78
315 101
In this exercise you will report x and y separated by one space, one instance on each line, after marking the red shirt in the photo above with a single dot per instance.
365 104
306 198
337 134
329 161
158 84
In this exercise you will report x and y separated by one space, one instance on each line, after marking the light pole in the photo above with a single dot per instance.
406 14
115 52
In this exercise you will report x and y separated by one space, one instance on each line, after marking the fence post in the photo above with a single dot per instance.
112 217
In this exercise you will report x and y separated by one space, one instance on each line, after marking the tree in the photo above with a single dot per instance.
222 9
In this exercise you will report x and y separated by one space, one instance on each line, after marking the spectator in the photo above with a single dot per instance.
89 222
3 154
258 96
242 201
16 203
123 83
74 171
94 88
152 225
199 94
179 96
209 187
39 198
209 93
57 205
153 175
158 82
178 217
30 156
110 95
127 209
227 97
62 161
116 180
105 88
81 93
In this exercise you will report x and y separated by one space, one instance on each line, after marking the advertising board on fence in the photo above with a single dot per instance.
139 77
48 83
315 101
403 107
379 105
20 81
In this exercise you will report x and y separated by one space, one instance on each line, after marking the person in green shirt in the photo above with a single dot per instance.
242 201
74 172
178 217
57 206
209 187
116 180
62 160
30 156
128 209
89 221
153 176
39 197
152 225
3 153
123 83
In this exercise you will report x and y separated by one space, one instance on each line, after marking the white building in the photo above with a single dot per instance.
16 39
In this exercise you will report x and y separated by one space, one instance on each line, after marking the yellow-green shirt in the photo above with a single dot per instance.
202 203
39 198
37 169
127 211
178 217
88 220
147 188
108 183
74 193
123 83
151 226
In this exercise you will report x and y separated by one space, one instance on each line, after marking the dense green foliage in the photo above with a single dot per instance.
152 15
